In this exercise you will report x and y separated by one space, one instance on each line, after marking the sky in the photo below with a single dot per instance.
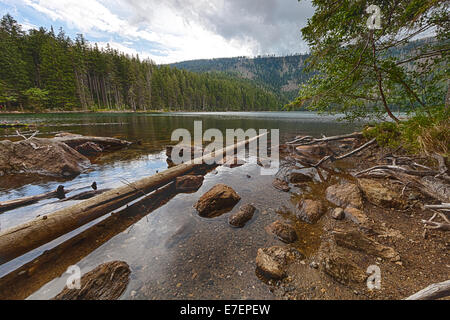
168 31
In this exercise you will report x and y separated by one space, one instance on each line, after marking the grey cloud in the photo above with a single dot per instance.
274 25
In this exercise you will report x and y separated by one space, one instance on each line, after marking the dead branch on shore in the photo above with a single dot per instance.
308 140
432 292
25 138
333 158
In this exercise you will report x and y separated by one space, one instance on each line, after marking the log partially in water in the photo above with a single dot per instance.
21 239
17 203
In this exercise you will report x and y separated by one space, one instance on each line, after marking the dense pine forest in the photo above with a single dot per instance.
283 75
41 70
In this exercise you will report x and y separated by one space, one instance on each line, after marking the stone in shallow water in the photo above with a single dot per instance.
298 177
282 231
310 210
344 195
218 200
106 282
240 218
271 262
281 185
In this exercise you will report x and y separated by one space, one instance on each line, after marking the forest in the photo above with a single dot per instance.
44 71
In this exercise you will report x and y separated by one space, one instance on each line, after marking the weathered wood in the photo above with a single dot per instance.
18 240
74 140
17 203
106 282
308 140
432 292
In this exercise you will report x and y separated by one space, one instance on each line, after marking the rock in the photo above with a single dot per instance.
357 241
381 196
341 268
188 183
310 210
314 265
298 177
313 151
271 262
106 282
240 218
281 185
357 216
282 231
41 156
344 195
89 149
218 200
338 214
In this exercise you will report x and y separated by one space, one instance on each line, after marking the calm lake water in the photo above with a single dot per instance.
173 253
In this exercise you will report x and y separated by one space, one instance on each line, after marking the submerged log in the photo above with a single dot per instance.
21 239
106 282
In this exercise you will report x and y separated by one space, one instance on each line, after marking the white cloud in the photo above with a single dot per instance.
174 30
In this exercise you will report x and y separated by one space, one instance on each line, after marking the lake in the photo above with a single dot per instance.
173 253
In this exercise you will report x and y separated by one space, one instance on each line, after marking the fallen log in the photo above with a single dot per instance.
308 140
17 203
75 140
432 292
21 239
59 193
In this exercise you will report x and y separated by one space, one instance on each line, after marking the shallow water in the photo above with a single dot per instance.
173 253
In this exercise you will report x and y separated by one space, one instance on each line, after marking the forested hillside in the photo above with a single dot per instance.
281 74
41 70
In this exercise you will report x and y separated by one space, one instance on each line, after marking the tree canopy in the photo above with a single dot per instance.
367 62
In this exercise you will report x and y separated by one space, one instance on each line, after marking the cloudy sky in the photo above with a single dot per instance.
174 30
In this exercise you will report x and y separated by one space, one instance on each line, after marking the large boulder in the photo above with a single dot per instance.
106 282
380 195
41 156
240 218
218 200
282 231
310 210
344 195
315 151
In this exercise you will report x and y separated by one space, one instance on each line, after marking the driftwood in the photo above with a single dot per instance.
59 193
308 140
333 158
17 203
432 292
28 236
75 140
106 282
